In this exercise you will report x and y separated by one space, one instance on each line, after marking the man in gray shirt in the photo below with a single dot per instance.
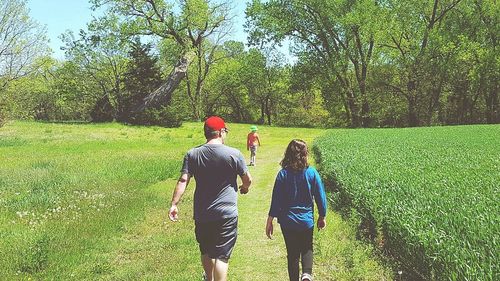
215 167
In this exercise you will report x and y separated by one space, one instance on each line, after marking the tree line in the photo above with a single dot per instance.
364 63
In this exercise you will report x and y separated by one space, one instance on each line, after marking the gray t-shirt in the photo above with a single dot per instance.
215 168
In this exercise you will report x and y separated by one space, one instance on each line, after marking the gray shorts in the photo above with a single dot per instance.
217 239
253 149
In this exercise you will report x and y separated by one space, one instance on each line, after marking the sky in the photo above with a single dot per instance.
61 15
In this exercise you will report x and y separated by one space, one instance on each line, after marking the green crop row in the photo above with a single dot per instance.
430 195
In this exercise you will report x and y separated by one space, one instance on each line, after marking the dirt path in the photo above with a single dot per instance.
253 249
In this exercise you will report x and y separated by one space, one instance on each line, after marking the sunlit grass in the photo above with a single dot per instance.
90 201
66 190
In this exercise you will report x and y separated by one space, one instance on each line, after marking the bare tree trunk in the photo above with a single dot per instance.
412 103
492 108
354 109
268 111
434 100
163 94
262 119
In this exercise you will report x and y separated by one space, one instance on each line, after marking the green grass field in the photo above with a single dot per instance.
432 194
90 202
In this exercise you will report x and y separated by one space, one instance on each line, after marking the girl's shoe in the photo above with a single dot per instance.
306 277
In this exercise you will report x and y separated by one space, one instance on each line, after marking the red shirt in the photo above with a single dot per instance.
252 139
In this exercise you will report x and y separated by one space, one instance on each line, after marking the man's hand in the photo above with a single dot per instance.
173 213
321 223
243 189
246 181
269 227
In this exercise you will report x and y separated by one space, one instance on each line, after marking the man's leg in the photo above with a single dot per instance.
220 270
208 266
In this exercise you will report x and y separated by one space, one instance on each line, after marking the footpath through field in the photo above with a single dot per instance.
255 256
338 256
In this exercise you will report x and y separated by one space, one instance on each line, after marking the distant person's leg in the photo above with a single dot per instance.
253 150
293 253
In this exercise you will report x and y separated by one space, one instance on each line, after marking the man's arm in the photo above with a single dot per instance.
246 181
180 187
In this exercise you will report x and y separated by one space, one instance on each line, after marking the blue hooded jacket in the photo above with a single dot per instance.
293 198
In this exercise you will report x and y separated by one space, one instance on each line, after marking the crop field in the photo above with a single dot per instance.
428 196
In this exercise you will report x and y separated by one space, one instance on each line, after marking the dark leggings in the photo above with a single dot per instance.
298 247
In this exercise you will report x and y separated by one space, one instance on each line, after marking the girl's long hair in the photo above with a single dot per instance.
295 155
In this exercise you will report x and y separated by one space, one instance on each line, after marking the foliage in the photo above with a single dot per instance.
391 63
196 27
101 54
338 37
357 63
427 195
22 41
142 76
54 93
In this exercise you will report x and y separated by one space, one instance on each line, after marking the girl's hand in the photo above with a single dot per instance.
321 223
269 227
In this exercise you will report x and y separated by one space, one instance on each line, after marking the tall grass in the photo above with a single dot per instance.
66 190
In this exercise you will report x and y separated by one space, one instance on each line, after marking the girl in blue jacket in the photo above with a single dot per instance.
296 188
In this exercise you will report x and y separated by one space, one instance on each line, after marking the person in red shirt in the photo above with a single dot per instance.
253 141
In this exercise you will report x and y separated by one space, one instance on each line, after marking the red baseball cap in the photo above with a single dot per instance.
215 123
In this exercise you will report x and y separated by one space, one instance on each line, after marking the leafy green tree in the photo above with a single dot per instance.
22 42
474 70
102 54
53 93
413 29
224 93
264 78
189 24
303 105
143 75
339 35
74 95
